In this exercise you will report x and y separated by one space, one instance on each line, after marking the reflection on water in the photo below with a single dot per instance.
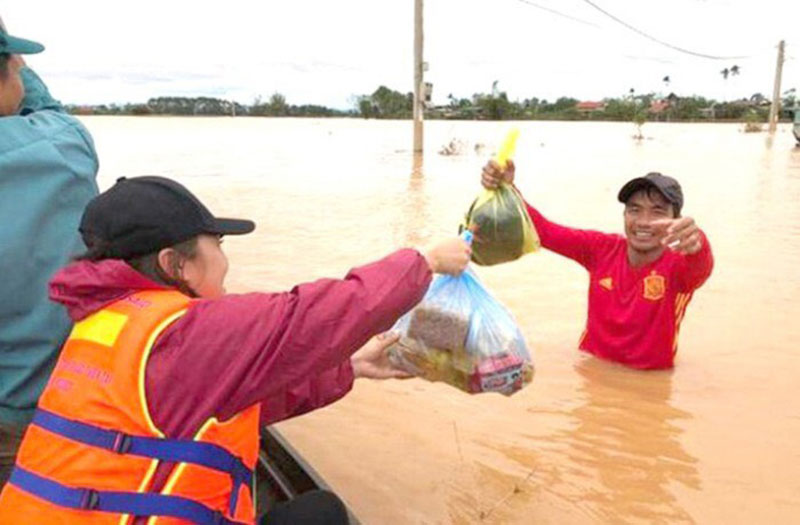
714 441
634 448
616 457
418 160
415 208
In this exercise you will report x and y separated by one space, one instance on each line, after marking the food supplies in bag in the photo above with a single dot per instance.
461 335
498 219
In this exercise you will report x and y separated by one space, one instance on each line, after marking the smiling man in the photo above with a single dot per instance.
639 284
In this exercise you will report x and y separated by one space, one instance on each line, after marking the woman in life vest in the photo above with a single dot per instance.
153 411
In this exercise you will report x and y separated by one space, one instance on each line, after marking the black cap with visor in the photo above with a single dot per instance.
666 186
142 215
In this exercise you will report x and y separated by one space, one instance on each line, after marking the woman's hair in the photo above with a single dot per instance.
4 60
147 264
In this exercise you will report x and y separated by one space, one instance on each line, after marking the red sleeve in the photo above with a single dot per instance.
693 270
227 354
578 245
313 393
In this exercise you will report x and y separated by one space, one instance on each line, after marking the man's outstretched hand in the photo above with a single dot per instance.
681 235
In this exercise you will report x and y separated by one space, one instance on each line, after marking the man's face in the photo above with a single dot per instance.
641 211
11 89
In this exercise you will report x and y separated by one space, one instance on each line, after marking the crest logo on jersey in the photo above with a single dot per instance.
655 286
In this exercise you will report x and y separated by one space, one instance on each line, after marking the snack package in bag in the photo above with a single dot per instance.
502 227
463 336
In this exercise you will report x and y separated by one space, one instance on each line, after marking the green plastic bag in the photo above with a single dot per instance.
501 227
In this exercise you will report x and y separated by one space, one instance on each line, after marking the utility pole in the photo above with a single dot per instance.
775 109
419 99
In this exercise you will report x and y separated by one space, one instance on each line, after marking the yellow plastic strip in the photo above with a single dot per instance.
507 148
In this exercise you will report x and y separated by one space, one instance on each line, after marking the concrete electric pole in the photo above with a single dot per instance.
775 109
419 96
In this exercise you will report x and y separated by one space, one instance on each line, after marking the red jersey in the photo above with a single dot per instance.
635 313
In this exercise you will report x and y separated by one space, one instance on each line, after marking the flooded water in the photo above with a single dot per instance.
716 440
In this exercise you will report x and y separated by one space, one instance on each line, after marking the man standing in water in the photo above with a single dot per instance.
639 284
48 167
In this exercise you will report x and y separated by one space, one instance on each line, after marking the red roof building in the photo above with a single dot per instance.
590 106
658 106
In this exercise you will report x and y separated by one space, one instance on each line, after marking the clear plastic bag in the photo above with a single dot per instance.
463 336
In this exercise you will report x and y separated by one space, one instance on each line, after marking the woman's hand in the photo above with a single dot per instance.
372 359
450 256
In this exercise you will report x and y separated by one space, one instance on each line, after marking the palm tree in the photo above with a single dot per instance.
665 80
732 71
452 100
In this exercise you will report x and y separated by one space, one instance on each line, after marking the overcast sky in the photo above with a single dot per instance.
327 51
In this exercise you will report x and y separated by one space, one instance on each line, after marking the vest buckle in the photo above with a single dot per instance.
122 443
90 499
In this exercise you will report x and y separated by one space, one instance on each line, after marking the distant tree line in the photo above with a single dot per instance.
276 106
385 103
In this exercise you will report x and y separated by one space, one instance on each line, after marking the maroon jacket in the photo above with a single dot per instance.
288 351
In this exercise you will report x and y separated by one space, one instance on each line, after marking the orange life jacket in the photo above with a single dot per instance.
91 451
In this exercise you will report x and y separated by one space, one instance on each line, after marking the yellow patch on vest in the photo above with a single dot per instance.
102 328
607 283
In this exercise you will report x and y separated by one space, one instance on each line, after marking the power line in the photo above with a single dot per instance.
559 13
654 39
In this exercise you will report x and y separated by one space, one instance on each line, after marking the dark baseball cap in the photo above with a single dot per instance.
18 46
141 215
667 186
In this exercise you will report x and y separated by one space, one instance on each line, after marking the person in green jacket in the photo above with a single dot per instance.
48 167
